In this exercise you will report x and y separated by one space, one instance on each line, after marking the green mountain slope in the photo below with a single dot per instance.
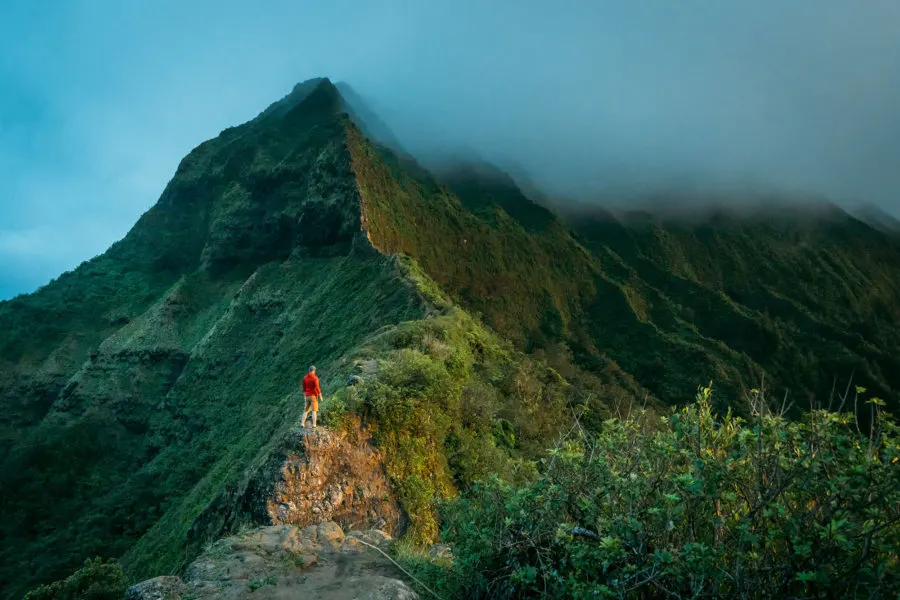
173 358
136 388
801 298
806 296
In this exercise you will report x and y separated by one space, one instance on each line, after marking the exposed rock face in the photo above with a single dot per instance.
284 562
158 588
335 477
308 477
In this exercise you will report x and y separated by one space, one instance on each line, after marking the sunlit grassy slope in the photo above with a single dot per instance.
802 298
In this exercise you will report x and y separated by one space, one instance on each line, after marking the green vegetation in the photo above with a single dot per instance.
287 316
690 505
516 280
96 580
802 297
140 479
258 583
140 386
451 405
136 390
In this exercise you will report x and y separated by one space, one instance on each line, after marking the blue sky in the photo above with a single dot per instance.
100 99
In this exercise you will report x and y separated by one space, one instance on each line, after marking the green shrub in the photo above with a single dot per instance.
333 412
96 580
410 428
696 505
441 386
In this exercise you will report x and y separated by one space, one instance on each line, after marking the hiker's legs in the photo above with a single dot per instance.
314 405
306 412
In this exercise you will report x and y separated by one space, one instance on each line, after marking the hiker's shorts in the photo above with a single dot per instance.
312 403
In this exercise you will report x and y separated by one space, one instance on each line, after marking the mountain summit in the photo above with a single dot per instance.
141 393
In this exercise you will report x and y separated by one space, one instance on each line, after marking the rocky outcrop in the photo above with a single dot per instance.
333 476
308 477
158 588
285 562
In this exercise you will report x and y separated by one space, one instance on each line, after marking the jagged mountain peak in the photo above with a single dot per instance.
257 192
298 94
340 97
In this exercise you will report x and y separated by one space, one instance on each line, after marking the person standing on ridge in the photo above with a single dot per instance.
313 394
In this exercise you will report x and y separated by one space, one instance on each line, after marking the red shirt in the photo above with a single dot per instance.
311 385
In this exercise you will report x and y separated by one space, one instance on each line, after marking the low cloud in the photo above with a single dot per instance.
601 101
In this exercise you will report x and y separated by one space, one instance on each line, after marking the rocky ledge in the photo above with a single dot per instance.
283 562
307 477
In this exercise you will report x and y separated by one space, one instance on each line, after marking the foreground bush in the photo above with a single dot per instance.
694 506
96 580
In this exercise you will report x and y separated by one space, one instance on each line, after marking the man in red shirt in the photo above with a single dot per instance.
313 394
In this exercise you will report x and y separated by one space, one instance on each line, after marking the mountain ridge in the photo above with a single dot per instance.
151 377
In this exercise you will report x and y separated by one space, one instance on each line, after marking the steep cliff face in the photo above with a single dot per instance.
303 478
333 475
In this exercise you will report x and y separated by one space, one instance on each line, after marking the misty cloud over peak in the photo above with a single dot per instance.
594 100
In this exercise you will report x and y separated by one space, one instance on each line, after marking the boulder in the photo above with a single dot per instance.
383 588
442 551
283 562
158 588
375 537
330 535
